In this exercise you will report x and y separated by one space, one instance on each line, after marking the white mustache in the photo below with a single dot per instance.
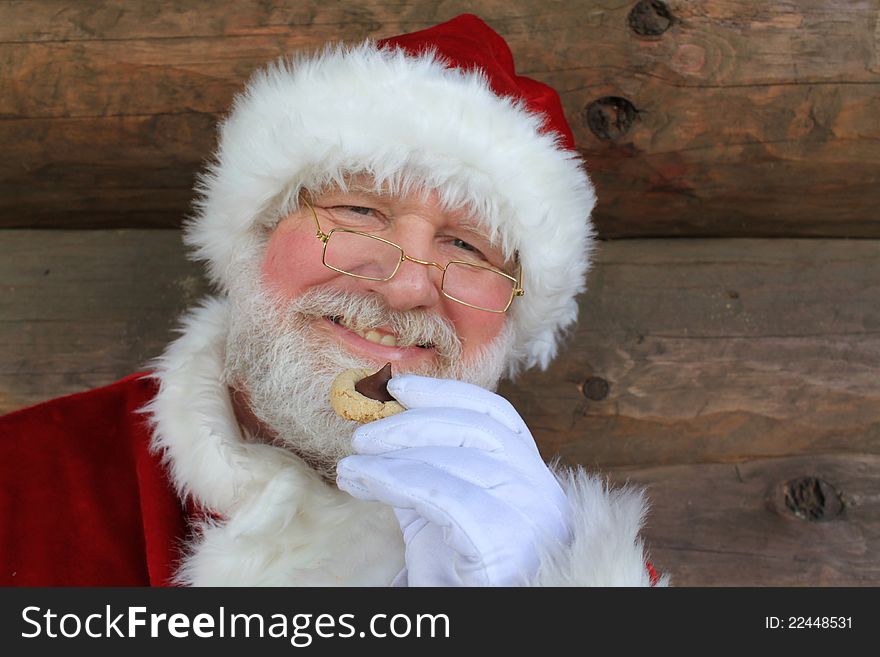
363 312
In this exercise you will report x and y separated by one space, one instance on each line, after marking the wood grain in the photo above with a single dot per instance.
713 372
715 350
725 524
751 119
80 309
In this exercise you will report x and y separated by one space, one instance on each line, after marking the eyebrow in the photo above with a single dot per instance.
367 191
473 227
369 195
467 223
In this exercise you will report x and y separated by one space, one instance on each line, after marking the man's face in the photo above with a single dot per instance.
295 324
292 265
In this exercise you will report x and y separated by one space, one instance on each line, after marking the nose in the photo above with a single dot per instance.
413 286
417 282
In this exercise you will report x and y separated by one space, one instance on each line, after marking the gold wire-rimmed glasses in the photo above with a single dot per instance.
470 284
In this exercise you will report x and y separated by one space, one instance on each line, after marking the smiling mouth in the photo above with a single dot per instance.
371 335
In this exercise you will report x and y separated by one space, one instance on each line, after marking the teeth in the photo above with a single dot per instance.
372 335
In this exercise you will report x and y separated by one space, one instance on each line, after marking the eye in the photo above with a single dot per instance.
463 250
474 250
461 244
359 217
356 209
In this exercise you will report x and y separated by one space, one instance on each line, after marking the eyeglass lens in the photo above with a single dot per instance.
368 257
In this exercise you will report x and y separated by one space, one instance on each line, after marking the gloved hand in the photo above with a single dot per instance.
472 495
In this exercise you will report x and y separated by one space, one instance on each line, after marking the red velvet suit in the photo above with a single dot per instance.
82 499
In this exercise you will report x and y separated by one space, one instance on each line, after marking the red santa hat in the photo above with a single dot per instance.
441 109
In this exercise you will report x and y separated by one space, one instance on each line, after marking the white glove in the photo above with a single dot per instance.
473 497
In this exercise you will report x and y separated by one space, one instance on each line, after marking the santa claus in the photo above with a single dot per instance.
411 201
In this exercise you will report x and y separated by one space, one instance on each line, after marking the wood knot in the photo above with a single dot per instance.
610 117
595 388
650 18
812 499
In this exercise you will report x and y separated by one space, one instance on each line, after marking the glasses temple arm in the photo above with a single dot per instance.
320 234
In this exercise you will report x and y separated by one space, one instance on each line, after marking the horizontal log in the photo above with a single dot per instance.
743 119
796 521
814 39
67 172
82 308
713 350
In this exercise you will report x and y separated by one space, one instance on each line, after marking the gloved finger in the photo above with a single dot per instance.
478 526
476 467
459 429
410 522
441 465
420 427
424 392
522 490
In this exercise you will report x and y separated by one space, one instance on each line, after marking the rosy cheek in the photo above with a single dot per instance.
292 263
476 328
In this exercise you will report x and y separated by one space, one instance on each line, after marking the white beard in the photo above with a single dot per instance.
285 366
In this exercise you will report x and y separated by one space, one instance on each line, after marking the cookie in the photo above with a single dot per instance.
361 395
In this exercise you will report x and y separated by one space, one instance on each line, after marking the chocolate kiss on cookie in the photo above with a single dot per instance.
362 396
375 386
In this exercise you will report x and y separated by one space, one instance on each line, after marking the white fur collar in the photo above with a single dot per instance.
281 524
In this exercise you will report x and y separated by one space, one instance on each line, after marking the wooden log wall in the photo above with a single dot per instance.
697 117
738 379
